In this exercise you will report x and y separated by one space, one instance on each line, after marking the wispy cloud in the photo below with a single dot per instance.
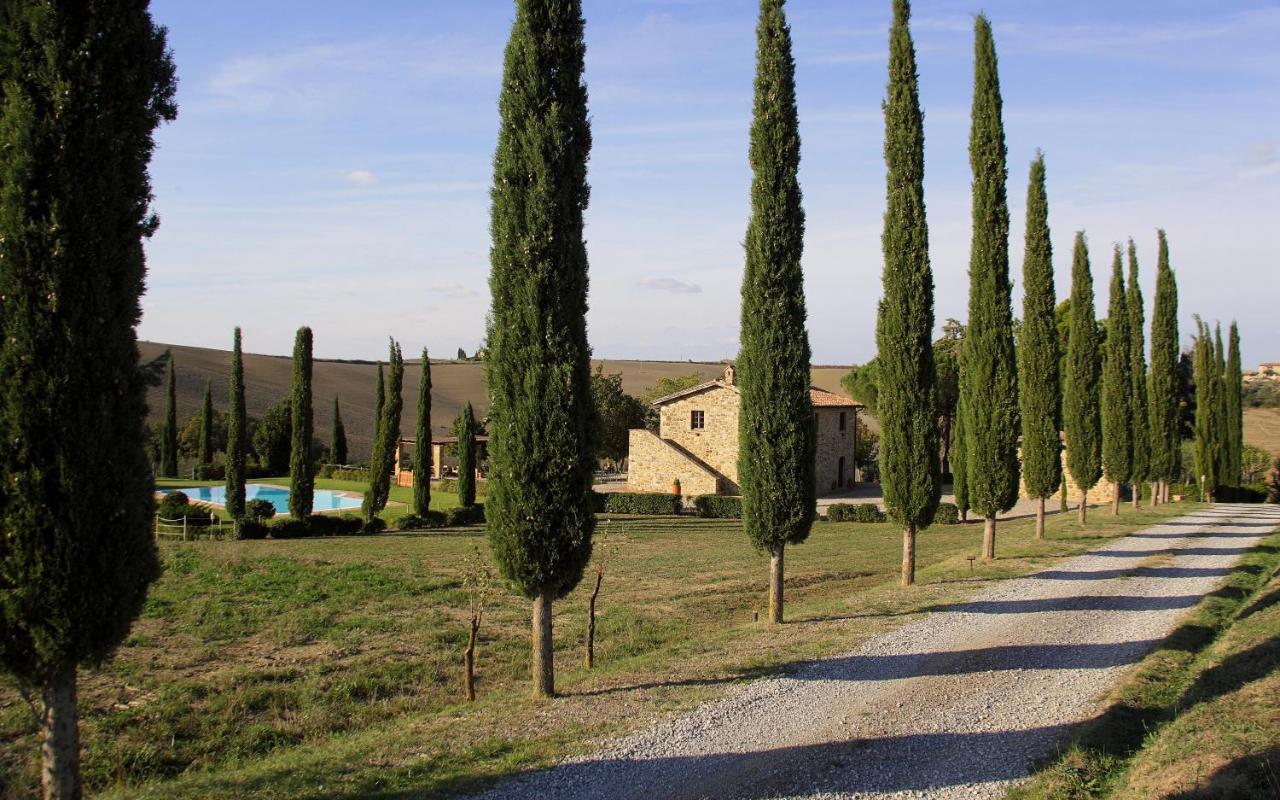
361 177
669 285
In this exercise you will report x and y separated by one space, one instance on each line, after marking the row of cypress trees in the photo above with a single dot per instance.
1219 421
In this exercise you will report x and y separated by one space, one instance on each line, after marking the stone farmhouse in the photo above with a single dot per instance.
697 441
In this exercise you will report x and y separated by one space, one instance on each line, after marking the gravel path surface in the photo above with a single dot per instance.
954 705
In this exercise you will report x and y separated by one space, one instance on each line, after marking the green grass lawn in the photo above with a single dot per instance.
331 667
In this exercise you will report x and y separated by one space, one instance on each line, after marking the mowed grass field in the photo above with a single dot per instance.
1262 429
332 667
453 383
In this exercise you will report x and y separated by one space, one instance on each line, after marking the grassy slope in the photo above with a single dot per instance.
1262 428
1186 669
330 668
453 384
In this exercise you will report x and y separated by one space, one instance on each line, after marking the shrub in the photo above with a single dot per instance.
257 508
413 522
1249 493
450 486
345 473
1189 491
626 503
716 506
288 528
251 529
466 515
947 514
350 525
375 525
210 472
856 512
174 505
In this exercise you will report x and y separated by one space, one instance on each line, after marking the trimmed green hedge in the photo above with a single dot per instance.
718 506
851 512
450 486
465 515
413 522
947 514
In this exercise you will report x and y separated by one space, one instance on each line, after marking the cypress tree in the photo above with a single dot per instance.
990 377
1140 411
1224 418
169 435
467 458
422 446
908 395
386 434
1081 412
776 430
1208 414
1041 392
302 480
237 433
206 425
379 403
85 85
1235 409
1117 389
1166 443
542 438
338 438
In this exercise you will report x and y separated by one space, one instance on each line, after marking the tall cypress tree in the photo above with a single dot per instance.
1117 389
206 425
1040 391
1224 419
169 434
422 445
990 378
1140 426
1208 413
1082 415
1235 409
467 457
237 433
1166 443
338 437
542 438
776 425
960 460
386 435
302 480
908 395
85 85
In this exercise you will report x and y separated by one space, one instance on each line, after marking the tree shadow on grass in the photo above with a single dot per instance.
1249 777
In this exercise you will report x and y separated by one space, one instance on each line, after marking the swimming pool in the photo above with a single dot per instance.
277 496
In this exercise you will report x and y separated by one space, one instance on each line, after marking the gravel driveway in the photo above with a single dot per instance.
954 705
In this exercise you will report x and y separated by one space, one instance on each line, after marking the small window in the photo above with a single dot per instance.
841 420
697 420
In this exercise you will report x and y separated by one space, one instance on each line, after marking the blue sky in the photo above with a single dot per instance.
330 164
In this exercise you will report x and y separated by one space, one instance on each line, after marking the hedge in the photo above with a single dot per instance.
718 506
465 515
413 522
450 486
947 514
657 504
851 512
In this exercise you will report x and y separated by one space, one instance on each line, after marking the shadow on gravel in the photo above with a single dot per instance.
986 659
1221 522
1119 602
1205 535
1138 572
1182 551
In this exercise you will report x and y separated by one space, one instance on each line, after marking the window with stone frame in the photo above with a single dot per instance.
697 420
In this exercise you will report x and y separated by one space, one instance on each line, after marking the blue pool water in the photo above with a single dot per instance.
277 496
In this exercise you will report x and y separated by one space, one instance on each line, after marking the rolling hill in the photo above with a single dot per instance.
453 383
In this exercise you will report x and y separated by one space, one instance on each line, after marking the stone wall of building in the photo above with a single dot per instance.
716 444
655 464
1100 494
833 445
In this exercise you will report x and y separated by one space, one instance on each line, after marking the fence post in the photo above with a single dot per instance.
184 527
157 527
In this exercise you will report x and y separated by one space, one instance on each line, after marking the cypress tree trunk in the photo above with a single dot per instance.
1084 506
907 398
1117 389
990 378
206 425
236 433
169 437
338 438
1081 407
1038 355
422 449
776 431
1166 442
1235 409
776 572
467 458
1140 407
83 87
301 470
542 433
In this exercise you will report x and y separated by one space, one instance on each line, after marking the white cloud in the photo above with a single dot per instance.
670 285
361 177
